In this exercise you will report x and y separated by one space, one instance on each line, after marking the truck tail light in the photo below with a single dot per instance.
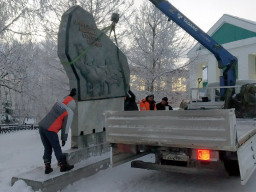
203 154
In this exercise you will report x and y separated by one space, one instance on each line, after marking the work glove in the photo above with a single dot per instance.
63 143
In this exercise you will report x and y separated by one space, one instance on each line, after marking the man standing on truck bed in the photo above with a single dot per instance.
163 104
148 103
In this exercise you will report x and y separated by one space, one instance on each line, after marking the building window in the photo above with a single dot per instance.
179 85
205 75
252 66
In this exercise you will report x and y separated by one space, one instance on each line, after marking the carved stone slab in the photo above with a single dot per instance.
100 69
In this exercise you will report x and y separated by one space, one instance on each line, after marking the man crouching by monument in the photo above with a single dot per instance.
60 117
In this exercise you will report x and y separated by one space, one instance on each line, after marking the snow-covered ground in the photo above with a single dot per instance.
22 151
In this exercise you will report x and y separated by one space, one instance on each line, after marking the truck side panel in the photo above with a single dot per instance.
212 129
247 159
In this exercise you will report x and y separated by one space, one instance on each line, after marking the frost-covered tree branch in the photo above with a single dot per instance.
156 51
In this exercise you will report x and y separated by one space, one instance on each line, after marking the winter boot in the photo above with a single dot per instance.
64 166
48 168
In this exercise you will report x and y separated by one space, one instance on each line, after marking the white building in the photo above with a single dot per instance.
236 35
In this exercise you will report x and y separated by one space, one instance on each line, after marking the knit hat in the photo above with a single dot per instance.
73 92
70 97
165 99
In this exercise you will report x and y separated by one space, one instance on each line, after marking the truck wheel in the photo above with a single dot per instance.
232 167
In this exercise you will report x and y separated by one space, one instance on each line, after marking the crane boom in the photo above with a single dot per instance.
226 61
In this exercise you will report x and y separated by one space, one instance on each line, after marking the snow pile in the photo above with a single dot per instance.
20 186
20 152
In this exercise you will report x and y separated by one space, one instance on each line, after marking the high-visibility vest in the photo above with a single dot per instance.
145 106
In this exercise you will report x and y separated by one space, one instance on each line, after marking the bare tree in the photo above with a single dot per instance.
156 52
101 11
17 27
31 74
19 19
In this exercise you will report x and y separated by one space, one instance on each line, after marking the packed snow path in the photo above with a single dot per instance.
22 151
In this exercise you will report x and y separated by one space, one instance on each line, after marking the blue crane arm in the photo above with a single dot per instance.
225 59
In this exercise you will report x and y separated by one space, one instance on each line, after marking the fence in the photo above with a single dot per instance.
14 127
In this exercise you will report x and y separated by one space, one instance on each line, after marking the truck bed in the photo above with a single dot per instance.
214 129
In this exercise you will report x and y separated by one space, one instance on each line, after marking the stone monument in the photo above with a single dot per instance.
100 73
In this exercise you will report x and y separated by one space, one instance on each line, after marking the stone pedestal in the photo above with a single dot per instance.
88 132
57 180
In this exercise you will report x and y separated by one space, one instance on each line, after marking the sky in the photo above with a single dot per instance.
205 13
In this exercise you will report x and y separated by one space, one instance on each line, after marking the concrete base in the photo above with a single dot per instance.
56 180
86 146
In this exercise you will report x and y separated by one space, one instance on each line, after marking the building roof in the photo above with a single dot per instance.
229 29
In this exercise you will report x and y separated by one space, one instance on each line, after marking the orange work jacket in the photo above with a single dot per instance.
145 106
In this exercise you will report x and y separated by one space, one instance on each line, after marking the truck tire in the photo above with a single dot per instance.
232 167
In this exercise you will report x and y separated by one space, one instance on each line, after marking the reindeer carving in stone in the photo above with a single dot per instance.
95 76
114 75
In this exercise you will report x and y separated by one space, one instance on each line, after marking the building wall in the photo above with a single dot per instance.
244 50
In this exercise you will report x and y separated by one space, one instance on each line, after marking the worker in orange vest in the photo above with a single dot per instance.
148 103
59 118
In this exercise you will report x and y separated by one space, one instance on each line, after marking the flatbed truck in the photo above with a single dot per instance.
186 140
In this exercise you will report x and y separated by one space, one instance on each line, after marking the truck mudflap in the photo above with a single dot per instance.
246 154
121 153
